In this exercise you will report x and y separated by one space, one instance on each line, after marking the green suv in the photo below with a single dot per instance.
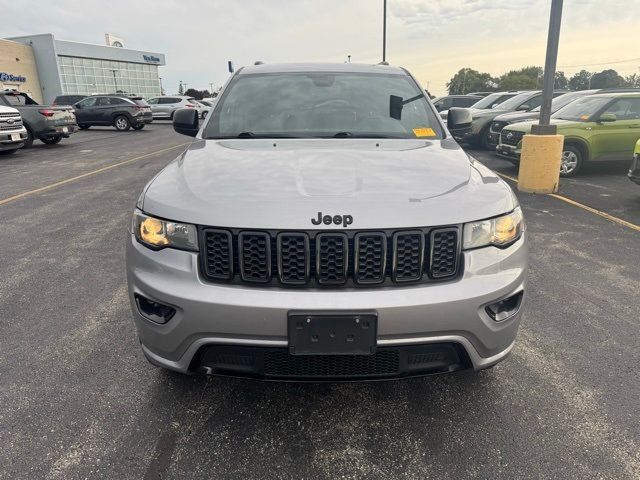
602 127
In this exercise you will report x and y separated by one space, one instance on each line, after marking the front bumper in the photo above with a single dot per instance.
12 139
143 119
510 152
451 313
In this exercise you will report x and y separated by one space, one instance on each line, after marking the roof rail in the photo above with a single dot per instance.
383 63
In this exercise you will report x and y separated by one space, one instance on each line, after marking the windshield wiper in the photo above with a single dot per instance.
343 135
246 135
363 135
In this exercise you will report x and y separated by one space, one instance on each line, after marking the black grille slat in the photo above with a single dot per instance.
219 258
255 256
408 251
332 257
294 258
370 257
444 252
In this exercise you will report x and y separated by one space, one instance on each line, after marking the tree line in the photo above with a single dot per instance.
530 78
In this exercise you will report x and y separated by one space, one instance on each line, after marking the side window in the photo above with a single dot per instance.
166 101
118 101
152 101
625 108
103 102
534 102
88 102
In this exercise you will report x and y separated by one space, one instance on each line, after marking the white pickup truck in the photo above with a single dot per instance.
13 134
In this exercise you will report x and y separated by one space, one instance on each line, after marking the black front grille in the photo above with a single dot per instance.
325 259
498 126
510 137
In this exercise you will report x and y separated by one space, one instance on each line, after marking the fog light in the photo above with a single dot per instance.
505 308
154 311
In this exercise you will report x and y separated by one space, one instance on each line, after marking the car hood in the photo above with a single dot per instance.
526 126
283 184
514 117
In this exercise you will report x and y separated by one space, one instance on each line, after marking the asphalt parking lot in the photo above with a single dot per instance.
80 401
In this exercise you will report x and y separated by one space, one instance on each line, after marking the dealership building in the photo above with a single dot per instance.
46 67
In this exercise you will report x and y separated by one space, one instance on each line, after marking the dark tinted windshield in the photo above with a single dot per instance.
323 105
582 109
18 99
493 99
515 102
559 102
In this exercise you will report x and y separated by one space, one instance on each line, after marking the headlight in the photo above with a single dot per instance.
499 231
157 233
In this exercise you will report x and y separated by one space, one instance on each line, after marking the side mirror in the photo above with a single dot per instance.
185 121
523 108
78 106
607 117
459 121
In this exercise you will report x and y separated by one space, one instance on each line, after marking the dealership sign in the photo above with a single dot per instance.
150 58
8 77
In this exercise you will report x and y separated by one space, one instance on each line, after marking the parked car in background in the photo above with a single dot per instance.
205 108
600 127
634 170
480 94
448 101
521 102
13 134
505 119
165 107
121 111
488 102
67 99
49 124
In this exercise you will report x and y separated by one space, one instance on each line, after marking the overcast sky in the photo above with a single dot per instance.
432 38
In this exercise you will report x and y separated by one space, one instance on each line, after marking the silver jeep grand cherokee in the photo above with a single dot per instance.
324 225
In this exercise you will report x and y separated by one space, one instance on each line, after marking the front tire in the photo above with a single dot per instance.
8 152
84 127
571 161
138 127
51 140
121 123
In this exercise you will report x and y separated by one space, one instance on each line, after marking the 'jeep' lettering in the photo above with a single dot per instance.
344 220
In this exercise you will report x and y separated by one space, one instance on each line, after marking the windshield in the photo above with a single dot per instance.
582 109
488 101
307 105
559 102
514 102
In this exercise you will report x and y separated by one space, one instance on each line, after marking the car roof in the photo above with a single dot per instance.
616 94
320 67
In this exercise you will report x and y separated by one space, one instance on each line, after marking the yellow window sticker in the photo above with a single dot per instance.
424 132
584 117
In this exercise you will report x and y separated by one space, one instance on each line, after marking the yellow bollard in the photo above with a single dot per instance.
540 163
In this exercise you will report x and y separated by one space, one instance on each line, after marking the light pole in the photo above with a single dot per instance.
161 89
384 31
211 88
553 38
115 81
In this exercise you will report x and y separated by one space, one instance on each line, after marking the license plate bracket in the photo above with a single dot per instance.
332 333
15 137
